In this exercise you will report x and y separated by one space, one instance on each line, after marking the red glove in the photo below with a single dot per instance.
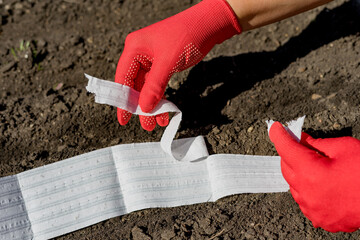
324 177
153 54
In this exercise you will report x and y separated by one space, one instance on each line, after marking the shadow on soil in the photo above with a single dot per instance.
330 134
233 75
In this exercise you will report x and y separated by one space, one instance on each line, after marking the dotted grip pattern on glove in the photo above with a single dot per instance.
153 54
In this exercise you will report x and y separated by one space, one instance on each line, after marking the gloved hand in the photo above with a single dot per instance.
324 177
153 54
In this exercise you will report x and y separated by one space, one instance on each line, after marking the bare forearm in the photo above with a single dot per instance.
253 14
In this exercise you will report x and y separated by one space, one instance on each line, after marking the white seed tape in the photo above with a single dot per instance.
65 196
126 98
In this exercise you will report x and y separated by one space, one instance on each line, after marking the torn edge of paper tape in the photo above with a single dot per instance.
293 127
71 194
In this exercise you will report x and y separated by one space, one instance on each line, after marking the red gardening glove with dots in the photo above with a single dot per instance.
324 177
153 54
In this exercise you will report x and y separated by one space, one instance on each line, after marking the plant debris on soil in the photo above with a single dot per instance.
305 65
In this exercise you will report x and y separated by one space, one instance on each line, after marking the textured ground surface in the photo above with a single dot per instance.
309 64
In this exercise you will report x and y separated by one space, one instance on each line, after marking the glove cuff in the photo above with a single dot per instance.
211 22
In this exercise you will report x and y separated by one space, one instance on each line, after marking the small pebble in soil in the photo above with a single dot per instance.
315 96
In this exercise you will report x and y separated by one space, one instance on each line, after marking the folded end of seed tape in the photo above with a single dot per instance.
186 149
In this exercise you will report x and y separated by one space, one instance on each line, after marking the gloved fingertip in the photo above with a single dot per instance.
123 116
147 108
148 101
148 128
315 225
305 138
148 123
162 119
276 130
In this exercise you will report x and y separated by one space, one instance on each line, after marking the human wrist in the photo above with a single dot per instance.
254 14
250 14
239 9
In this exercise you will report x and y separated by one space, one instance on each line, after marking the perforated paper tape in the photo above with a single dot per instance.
14 220
65 196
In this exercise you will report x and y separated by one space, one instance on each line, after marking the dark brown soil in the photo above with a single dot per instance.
309 64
